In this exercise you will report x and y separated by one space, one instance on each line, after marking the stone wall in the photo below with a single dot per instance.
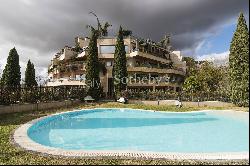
39 106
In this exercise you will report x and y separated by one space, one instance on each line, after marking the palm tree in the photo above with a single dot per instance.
102 30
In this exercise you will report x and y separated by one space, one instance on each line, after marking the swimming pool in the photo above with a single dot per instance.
118 130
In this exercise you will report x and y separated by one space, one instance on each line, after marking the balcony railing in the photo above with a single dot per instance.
154 53
66 81
68 67
149 56
150 65
156 70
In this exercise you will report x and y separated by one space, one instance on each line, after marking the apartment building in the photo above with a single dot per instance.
150 65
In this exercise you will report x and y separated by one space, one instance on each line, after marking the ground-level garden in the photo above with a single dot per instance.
11 154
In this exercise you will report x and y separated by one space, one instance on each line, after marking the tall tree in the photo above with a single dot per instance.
209 77
104 29
30 76
207 80
239 64
101 29
92 67
120 65
192 86
11 75
191 66
223 85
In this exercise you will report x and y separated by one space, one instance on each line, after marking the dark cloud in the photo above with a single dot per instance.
47 25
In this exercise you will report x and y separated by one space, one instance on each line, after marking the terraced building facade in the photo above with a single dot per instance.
150 65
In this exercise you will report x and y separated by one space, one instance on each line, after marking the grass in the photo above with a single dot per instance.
12 155
164 107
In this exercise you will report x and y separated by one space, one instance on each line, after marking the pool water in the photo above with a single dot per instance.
139 130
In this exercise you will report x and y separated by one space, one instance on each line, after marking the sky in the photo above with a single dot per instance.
202 29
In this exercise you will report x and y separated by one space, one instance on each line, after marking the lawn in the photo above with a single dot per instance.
11 155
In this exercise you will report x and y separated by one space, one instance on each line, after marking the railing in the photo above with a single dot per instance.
61 93
66 81
69 67
150 47
154 53
147 94
155 70
150 56
40 94
150 65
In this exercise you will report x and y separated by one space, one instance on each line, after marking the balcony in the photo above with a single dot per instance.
156 70
69 67
108 56
65 82
149 56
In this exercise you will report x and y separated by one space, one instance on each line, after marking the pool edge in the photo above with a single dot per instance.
21 139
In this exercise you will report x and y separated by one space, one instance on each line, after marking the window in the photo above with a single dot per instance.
107 49
110 49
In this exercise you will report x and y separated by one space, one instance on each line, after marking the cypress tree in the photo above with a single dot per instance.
120 65
11 75
239 64
30 76
92 67
2 79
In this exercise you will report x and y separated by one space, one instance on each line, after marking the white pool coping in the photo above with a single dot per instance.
21 138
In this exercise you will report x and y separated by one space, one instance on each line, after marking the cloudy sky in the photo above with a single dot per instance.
39 28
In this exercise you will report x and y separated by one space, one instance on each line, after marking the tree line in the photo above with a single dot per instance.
11 76
231 82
